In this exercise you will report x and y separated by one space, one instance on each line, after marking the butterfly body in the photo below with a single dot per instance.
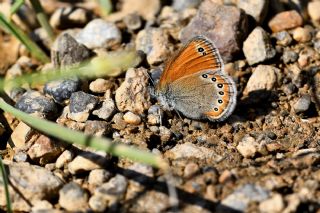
194 83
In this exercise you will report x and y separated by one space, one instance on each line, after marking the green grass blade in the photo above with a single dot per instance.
42 18
80 138
5 185
15 7
98 67
24 39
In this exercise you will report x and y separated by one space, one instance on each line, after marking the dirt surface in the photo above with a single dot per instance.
264 158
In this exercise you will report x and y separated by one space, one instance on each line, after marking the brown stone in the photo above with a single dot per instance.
226 26
285 21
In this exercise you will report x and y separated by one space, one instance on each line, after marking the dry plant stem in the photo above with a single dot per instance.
80 138
42 18
24 39
5 185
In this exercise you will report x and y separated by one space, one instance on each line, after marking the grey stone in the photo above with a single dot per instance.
283 38
154 42
243 195
106 110
302 104
97 128
180 5
256 8
61 90
99 34
33 182
98 176
226 26
109 193
257 47
133 21
67 51
81 104
264 77
35 102
133 94
289 56
73 198
87 161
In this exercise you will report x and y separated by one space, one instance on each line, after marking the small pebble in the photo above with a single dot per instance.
240 198
283 38
131 118
100 85
190 170
185 4
106 110
273 204
81 104
64 159
257 47
255 8
33 101
248 147
264 77
98 177
88 161
289 56
133 21
302 34
73 198
99 33
154 42
285 20
302 104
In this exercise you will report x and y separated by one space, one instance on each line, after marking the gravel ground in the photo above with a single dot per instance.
264 158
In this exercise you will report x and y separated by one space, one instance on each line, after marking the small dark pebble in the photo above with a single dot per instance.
33 101
67 51
271 135
80 101
290 89
61 90
289 56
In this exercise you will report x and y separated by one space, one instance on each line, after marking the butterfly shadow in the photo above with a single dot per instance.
255 104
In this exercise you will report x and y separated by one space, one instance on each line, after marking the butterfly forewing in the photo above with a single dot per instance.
198 54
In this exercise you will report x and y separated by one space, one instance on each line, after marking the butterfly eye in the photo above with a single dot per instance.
221 93
220 101
220 85
205 76
216 109
214 79
200 49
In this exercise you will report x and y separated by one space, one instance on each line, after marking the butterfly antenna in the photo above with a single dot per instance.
149 76
178 114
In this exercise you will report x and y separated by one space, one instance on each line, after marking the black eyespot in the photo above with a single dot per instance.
200 49
216 109
214 79
220 85
220 101
205 76
221 93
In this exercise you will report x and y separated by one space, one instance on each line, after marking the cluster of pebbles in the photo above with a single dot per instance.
264 158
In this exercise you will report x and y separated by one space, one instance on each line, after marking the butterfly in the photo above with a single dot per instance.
195 84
